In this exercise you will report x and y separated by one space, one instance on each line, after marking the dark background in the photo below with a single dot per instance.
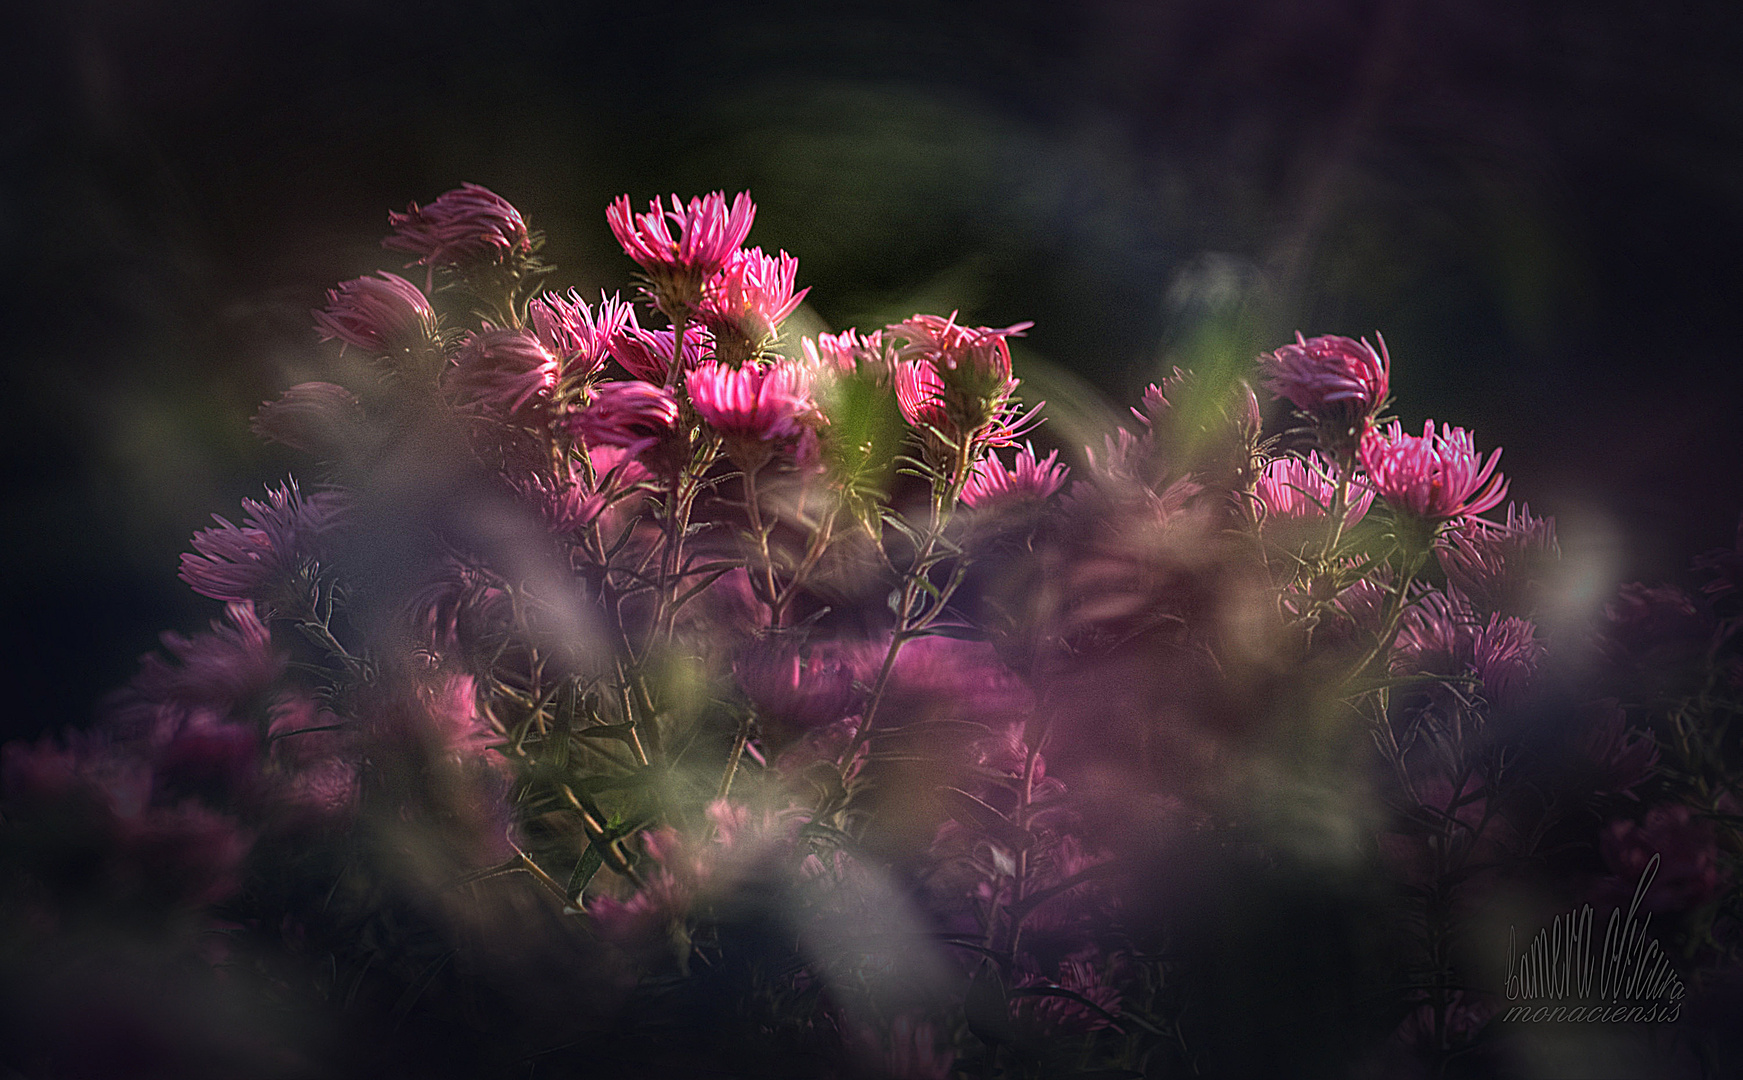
1540 206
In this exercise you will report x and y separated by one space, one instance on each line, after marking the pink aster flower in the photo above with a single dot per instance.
748 299
647 354
385 315
753 405
1688 874
708 232
318 418
277 541
577 335
1497 565
1336 382
849 353
803 687
630 414
209 673
470 224
504 372
958 379
1442 636
1621 757
991 485
1291 489
1050 1015
1434 477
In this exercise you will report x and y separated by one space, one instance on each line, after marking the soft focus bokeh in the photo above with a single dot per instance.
1537 204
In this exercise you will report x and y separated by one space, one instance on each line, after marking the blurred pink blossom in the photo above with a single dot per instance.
384 315
1688 874
258 560
632 415
318 418
469 224
507 373
1497 565
1295 489
1338 382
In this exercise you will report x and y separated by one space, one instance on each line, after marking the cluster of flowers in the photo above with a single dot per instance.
837 725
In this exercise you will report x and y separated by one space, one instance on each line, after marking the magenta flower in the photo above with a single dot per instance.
1496 565
750 297
1434 477
849 353
991 485
708 232
566 501
1049 1015
920 394
1338 383
504 372
970 360
385 315
577 335
278 541
632 415
958 379
647 354
1688 873
470 224
1442 636
753 404
798 686
209 673
1622 757
318 418
1291 489
1505 654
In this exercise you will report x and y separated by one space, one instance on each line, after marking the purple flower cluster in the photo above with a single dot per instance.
777 674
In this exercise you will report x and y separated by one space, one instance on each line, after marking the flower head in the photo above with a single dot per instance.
1434 477
277 541
1496 565
577 335
505 372
1338 383
1293 489
318 418
991 485
385 315
647 354
633 415
470 224
750 297
958 379
1442 636
1621 757
801 687
1688 873
752 406
708 232
209 674
849 353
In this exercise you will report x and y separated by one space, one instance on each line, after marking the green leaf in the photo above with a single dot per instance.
589 864
976 814
621 732
987 1007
